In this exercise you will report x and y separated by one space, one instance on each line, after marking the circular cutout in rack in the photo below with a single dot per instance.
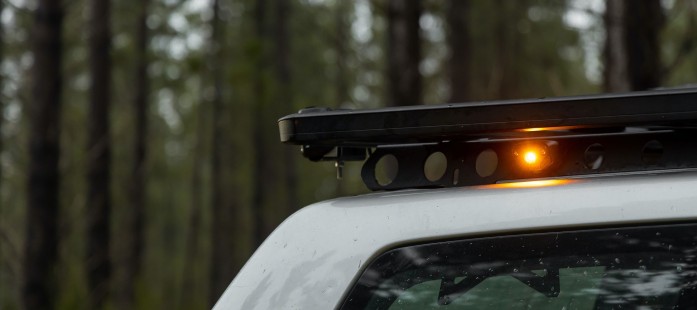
435 166
593 156
487 162
652 152
386 169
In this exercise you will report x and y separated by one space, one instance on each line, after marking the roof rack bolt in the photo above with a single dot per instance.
339 164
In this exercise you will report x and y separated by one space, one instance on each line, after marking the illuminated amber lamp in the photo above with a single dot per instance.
535 156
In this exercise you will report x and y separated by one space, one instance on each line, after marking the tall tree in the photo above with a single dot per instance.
2 97
403 52
261 169
460 54
136 223
222 268
283 77
195 210
40 247
99 155
616 75
644 21
632 51
507 38
342 50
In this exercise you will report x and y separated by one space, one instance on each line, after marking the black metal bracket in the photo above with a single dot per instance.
492 161
338 155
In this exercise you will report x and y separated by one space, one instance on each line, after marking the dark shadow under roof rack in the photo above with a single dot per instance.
629 132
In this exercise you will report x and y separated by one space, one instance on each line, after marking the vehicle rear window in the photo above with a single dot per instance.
648 267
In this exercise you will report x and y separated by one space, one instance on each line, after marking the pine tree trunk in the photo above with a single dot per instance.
504 69
616 75
39 284
644 21
340 45
99 156
632 51
283 76
404 52
194 227
260 168
136 214
460 53
223 265
2 101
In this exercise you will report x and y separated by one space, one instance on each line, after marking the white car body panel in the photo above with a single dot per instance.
311 260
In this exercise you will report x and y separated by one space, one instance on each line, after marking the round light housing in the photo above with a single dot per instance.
535 156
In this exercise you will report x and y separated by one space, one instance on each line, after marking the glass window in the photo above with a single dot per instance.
649 267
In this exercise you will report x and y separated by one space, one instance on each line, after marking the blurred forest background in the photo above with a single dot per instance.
139 157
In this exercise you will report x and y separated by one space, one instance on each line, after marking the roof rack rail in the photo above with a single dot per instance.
489 142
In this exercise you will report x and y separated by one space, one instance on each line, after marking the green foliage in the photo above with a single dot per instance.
679 44
526 51
14 91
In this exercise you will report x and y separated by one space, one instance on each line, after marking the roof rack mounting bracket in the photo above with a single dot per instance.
485 162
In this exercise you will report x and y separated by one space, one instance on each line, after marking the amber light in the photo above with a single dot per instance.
537 129
530 184
530 157
535 156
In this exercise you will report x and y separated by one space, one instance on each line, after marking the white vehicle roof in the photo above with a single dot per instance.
312 259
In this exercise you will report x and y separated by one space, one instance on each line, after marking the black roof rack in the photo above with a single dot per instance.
463 131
